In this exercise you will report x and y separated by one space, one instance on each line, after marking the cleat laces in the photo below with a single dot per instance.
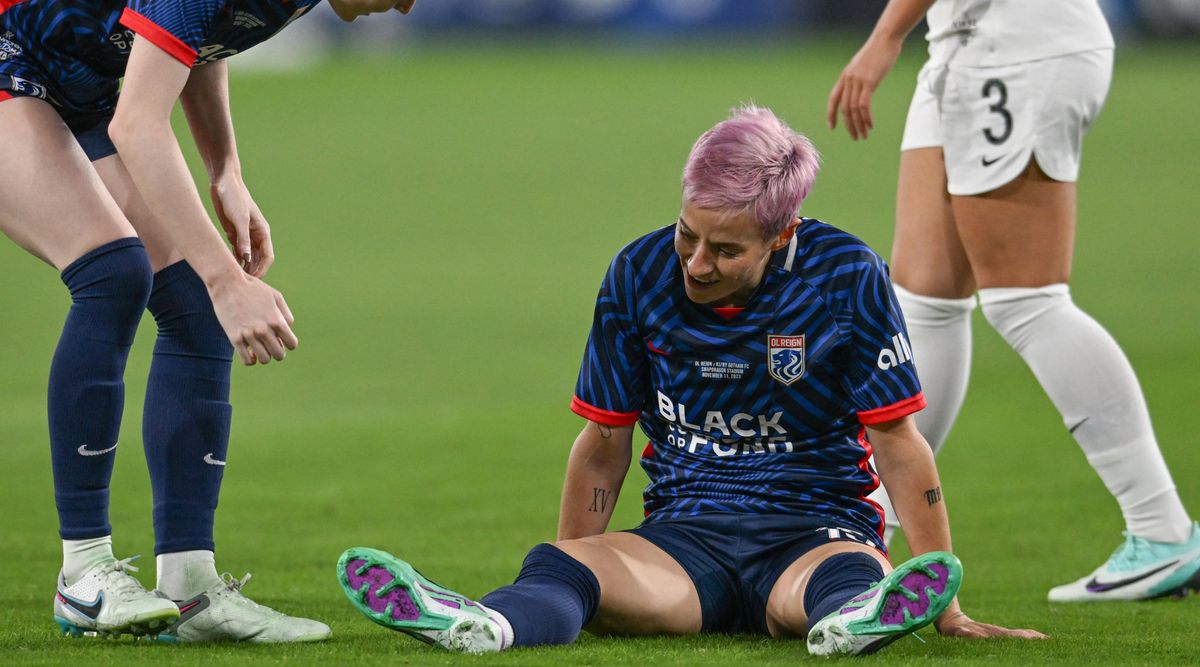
233 588
117 578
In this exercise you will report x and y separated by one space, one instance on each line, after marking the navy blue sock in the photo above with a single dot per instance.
185 423
108 287
836 580
551 601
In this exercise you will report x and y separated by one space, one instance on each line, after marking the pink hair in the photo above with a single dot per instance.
752 161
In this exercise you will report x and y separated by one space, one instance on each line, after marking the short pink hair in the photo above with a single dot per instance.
752 161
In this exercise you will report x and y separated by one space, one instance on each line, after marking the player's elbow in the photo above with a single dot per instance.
127 128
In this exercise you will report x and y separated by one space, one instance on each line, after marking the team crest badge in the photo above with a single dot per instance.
785 358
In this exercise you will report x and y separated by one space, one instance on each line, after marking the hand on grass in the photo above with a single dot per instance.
954 623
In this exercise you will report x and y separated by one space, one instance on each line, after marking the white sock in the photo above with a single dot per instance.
1089 380
185 574
939 331
79 556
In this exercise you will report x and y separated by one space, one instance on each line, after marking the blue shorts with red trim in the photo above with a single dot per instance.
735 559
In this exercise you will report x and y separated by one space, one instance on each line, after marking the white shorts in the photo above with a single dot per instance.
989 121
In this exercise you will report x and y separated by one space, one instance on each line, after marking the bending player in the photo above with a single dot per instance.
96 186
986 203
744 341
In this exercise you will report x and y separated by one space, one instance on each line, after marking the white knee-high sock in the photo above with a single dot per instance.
939 331
1089 380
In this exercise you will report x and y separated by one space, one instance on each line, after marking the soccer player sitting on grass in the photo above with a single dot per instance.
765 358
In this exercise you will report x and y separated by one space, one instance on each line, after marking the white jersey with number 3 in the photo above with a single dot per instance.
991 33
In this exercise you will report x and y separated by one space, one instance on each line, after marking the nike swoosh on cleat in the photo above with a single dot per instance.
191 608
1094 586
90 610
84 451
208 458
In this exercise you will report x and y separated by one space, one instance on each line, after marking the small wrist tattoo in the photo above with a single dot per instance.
933 496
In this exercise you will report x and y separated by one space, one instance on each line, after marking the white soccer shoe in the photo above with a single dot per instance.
223 614
108 601
904 601
1139 570
392 593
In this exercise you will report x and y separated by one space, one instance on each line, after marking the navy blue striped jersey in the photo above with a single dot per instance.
759 409
73 52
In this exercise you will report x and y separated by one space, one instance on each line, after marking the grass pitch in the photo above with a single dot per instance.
442 222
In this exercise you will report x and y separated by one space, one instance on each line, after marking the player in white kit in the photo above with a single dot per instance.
986 204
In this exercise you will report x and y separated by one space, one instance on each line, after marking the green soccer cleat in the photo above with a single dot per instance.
906 600
390 592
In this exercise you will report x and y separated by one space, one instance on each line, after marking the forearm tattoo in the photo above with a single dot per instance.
600 498
933 496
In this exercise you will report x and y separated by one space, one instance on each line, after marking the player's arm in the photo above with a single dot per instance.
905 463
851 95
205 100
254 316
596 469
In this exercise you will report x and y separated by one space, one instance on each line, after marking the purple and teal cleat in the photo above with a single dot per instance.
392 593
906 600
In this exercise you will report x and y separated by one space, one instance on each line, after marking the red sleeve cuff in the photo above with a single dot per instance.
159 36
894 411
605 417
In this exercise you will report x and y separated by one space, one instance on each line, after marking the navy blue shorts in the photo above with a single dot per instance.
735 559
90 128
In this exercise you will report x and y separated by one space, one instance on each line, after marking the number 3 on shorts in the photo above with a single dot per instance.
996 87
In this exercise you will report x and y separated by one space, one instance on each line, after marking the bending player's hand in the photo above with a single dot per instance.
244 225
954 623
255 318
851 95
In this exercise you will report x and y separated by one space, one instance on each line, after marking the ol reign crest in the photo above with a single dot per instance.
785 358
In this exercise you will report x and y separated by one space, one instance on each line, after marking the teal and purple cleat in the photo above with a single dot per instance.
393 594
906 600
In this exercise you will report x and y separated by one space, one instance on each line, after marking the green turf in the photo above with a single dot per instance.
442 222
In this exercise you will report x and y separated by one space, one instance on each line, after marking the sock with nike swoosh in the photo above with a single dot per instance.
185 422
109 287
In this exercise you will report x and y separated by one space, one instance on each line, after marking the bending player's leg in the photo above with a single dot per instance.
53 205
935 288
847 599
613 583
1020 240
185 435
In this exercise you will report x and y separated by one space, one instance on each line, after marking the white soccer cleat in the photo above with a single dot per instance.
390 592
1139 570
108 601
223 614
906 600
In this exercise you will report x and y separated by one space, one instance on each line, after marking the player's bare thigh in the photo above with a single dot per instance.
120 185
52 202
1021 234
785 606
643 591
928 257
